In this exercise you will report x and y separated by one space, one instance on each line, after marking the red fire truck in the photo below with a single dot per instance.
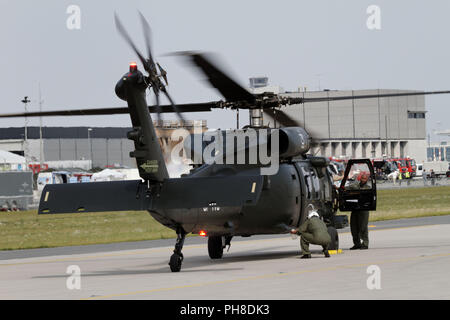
405 165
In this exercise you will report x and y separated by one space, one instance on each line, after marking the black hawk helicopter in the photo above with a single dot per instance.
219 200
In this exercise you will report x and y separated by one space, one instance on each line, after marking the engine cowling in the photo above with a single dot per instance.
294 141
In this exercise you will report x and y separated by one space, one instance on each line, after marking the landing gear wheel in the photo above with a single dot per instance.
215 247
334 244
175 262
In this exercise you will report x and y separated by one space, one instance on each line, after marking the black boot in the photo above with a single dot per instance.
306 256
325 251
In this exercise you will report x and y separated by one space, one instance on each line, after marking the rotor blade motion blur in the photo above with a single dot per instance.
147 35
125 35
229 89
371 96
282 118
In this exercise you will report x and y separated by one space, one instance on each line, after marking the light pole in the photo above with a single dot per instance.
90 146
25 101
41 145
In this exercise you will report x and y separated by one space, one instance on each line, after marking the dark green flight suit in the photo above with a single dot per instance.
359 220
313 231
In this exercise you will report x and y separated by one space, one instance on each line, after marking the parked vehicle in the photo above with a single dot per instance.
383 167
52 178
419 171
406 165
440 168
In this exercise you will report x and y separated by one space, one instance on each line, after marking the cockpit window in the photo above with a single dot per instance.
316 183
308 182
312 183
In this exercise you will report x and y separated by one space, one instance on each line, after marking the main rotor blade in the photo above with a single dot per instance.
370 96
173 105
127 38
157 106
229 89
287 121
78 112
187 107
282 118
163 73
148 43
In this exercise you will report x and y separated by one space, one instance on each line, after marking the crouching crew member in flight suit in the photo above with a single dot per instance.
313 231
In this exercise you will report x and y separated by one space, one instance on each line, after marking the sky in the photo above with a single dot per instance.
314 44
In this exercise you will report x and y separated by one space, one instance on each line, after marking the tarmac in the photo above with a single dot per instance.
407 259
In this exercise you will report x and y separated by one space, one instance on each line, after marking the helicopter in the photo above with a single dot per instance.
221 199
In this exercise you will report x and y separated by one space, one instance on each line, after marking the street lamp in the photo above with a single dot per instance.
25 101
90 146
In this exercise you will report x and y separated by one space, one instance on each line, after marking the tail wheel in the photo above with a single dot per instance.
175 262
334 244
215 247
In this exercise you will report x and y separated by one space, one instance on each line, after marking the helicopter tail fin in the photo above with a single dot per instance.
148 153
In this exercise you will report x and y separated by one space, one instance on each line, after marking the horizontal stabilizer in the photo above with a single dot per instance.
236 191
94 197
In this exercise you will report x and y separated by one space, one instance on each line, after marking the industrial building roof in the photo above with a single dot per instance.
64 133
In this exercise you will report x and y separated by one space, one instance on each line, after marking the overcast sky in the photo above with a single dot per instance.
295 43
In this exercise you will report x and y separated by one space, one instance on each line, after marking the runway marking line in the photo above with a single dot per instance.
266 276
146 251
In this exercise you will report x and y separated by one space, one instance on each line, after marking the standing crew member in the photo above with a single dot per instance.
433 177
359 219
313 231
407 176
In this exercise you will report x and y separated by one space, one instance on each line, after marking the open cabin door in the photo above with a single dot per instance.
358 190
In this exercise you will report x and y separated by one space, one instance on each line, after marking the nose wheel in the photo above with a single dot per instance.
177 257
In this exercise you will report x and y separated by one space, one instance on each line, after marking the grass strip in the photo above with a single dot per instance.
27 229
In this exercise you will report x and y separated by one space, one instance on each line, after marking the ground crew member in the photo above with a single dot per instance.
407 176
433 177
359 219
313 231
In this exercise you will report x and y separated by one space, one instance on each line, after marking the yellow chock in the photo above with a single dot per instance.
335 251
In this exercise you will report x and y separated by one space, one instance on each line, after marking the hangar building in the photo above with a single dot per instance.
365 128
105 146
